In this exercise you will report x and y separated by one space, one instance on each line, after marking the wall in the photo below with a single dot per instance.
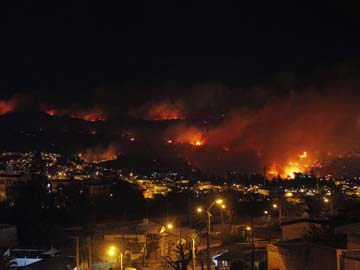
300 256
297 230
8 236
353 241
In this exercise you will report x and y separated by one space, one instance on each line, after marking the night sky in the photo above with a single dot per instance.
225 85
74 46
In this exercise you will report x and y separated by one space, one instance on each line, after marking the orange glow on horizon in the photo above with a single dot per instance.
51 112
198 143
165 111
86 116
6 107
97 155
190 135
302 164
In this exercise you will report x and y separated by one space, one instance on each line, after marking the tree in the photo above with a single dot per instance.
183 258
6 262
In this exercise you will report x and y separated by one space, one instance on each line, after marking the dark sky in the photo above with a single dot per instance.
76 45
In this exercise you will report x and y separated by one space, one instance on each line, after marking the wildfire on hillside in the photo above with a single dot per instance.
6 107
183 134
287 135
99 154
87 115
162 111
301 163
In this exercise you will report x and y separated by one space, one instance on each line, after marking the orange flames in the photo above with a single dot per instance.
51 112
183 134
301 163
90 116
6 107
163 111
99 154
198 143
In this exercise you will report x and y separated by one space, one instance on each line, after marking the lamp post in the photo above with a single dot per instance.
170 226
114 251
252 242
193 254
208 234
330 201
267 214
278 206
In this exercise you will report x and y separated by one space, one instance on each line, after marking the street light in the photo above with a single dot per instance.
163 232
219 201
329 200
113 251
252 242
170 226
276 206
208 238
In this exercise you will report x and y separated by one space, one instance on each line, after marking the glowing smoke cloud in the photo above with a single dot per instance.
278 134
100 154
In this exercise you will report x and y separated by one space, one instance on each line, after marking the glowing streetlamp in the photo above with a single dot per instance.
113 252
208 238
250 229
276 206
330 201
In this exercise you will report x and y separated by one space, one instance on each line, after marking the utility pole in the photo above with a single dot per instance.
280 210
193 254
77 253
208 242
90 257
331 206
252 243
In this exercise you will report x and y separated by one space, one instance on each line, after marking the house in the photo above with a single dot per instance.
9 181
53 263
349 258
35 259
136 239
352 233
299 255
331 252
299 228
8 236
240 258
